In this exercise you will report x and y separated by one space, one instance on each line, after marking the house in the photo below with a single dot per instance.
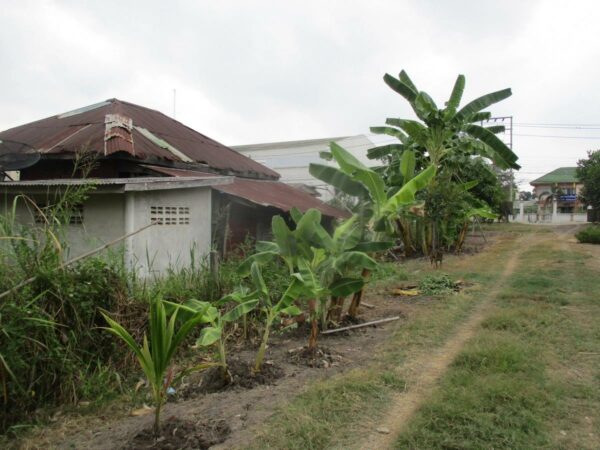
292 158
561 185
557 195
176 190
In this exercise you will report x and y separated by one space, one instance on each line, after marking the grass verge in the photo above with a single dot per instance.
527 378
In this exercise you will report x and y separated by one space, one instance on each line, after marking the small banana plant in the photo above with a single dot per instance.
216 333
274 309
158 348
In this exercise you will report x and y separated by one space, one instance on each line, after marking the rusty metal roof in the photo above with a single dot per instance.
115 126
128 184
279 195
263 192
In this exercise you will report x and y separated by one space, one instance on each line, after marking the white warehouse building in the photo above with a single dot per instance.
292 158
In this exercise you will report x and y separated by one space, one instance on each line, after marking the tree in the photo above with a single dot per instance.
525 196
441 135
588 172
441 132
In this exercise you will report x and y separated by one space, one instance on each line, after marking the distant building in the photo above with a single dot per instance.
292 158
561 185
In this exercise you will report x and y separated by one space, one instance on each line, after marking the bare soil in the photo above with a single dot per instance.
179 434
249 400
241 375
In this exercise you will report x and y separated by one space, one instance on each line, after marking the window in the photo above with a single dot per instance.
170 215
40 214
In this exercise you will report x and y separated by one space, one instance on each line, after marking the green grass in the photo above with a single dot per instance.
511 385
318 417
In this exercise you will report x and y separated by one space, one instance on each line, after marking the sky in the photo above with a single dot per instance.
247 72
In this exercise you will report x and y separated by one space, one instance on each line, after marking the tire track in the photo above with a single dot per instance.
429 368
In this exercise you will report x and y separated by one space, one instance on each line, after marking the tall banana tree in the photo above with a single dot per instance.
440 131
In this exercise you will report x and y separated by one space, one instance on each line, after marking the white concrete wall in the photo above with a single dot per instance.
560 218
155 250
102 221
107 217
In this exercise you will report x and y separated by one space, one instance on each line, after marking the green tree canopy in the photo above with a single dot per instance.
588 172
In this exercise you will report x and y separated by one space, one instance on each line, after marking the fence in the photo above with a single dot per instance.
560 218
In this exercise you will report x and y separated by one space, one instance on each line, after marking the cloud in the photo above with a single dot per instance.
261 71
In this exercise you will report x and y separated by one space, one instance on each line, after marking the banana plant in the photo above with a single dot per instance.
333 257
155 354
442 131
336 258
216 333
274 309
440 134
386 205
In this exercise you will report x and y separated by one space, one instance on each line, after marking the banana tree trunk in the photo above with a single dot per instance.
260 355
223 357
357 297
158 400
335 309
461 237
314 331
406 237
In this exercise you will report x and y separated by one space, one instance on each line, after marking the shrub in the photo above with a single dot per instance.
437 285
589 235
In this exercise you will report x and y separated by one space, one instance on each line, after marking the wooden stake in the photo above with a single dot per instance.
360 325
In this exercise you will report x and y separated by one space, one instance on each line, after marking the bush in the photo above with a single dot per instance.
589 235
437 285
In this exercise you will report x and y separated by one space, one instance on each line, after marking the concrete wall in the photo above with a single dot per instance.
102 221
107 217
162 246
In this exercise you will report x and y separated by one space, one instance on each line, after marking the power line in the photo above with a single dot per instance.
557 136
542 124
560 127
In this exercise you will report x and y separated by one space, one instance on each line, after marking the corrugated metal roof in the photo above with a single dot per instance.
560 175
105 129
263 192
278 195
128 184
178 172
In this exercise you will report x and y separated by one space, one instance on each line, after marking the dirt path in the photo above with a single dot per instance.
429 368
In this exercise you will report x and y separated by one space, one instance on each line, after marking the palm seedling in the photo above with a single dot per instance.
158 348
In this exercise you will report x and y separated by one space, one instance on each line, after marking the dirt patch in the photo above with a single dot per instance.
181 434
321 358
241 374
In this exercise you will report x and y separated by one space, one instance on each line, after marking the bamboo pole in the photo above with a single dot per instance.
78 258
360 325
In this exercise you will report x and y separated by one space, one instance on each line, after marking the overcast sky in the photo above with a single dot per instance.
251 71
